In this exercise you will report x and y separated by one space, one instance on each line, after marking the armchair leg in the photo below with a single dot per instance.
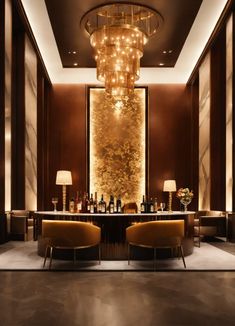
182 255
45 257
51 253
128 249
154 258
99 254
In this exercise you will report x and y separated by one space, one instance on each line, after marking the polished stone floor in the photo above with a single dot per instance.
117 298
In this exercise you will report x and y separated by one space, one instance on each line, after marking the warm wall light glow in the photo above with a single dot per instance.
229 115
8 67
204 135
117 146
30 127
200 32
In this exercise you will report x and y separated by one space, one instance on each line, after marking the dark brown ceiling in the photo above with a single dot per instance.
65 16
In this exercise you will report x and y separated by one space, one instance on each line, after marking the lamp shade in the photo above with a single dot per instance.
169 185
63 177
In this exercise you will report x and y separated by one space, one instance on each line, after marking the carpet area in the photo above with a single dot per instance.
16 255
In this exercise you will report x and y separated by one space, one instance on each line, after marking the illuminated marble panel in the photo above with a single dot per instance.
8 66
117 145
229 114
204 135
30 127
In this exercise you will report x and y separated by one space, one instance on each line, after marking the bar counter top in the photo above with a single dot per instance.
159 213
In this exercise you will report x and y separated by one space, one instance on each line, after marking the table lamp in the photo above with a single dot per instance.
169 186
64 178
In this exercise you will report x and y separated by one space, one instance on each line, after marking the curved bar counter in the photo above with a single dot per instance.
113 230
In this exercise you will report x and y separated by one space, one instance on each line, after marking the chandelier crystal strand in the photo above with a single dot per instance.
118 33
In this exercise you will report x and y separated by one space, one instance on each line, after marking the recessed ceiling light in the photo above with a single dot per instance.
74 52
75 64
161 64
167 51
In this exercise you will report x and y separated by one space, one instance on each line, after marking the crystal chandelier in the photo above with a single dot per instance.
118 33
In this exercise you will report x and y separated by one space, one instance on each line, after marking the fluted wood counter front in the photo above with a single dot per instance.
113 230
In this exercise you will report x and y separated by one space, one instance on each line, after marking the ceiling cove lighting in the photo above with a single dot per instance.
118 33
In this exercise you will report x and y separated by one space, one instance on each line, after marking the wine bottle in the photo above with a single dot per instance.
111 204
87 203
79 204
100 206
143 205
95 203
84 203
103 204
155 205
71 205
119 204
76 203
151 206
92 211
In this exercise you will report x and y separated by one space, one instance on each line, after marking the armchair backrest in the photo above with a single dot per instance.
156 233
71 233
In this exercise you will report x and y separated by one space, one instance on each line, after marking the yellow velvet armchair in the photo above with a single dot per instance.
157 234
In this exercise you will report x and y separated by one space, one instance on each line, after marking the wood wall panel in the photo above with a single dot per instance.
218 122
233 95
195 141
169 137
67 138
18 115
2 107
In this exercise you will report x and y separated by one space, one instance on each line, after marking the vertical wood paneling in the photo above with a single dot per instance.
233 100
43 88
2 106
18 115
169 139
67 138
217 122
229 114
8 68
195 141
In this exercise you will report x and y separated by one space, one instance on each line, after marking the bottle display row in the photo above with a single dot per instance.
90 204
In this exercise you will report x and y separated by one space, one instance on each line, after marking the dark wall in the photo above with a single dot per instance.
168 129
67 137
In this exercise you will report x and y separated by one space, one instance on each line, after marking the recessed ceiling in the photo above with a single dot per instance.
186 29
74 46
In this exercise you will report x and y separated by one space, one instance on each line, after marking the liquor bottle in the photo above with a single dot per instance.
92 211
119 204
79 204
76 203
99 206
87 203
71 205
103 204
95 203
84 203
155 205
111 205
151 206
143 206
